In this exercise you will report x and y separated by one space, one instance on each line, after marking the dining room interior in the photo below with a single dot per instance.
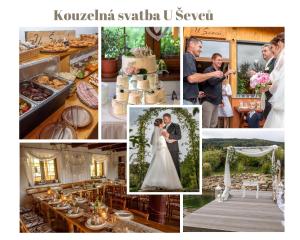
81 187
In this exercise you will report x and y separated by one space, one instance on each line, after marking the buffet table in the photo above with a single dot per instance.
88 132
113 127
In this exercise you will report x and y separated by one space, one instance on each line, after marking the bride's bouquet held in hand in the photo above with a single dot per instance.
260 82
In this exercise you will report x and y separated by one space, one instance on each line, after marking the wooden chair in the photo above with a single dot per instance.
143 203
120 191
132 201
117 203
173 208
109 191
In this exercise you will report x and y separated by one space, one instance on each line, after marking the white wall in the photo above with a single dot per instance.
81 172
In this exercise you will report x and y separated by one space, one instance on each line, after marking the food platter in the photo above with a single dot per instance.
87 94
78 43
54 48
34 91
24 106
52 82
93 79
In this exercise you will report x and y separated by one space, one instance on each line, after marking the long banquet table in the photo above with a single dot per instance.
137 224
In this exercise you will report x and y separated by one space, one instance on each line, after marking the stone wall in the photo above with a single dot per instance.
265 181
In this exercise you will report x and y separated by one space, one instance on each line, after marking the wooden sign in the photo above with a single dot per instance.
207 32
41 37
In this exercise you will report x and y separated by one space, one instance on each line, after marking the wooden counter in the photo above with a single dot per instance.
244 112
90 131
64 64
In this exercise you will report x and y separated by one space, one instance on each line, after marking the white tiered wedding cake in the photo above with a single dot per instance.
138 82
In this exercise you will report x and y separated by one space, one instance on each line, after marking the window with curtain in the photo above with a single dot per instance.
97 166
249 57
44 171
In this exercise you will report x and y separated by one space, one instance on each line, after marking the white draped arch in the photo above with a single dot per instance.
257 151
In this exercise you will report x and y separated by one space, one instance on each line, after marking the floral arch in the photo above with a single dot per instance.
188 122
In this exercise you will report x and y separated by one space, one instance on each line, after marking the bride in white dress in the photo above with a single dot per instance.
161 174
275 118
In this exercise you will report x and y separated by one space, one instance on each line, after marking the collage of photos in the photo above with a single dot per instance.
174 150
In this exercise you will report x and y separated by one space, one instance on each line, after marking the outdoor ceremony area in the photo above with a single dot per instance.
243 183
164 149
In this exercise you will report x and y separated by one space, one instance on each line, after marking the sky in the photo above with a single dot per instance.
136 111
265 134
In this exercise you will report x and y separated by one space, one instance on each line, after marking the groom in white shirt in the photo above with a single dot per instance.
268 56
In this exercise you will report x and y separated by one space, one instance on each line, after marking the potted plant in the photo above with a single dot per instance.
170 49
111 48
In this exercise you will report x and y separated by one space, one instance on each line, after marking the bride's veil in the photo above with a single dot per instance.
277 88
155 139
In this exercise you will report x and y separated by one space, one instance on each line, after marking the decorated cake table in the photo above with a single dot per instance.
113 126
138 83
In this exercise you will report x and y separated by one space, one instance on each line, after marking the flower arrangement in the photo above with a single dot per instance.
141 52
259 80
131 70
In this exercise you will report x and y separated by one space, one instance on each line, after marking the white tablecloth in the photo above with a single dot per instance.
115 128
112 127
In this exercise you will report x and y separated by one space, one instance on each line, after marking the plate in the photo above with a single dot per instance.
124 215
62 207
54 202
75 215
58 131
77 116
94 227
45 198
81 200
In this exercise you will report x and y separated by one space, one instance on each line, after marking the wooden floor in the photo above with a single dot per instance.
237 214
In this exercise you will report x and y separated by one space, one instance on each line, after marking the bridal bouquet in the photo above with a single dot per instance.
259 80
